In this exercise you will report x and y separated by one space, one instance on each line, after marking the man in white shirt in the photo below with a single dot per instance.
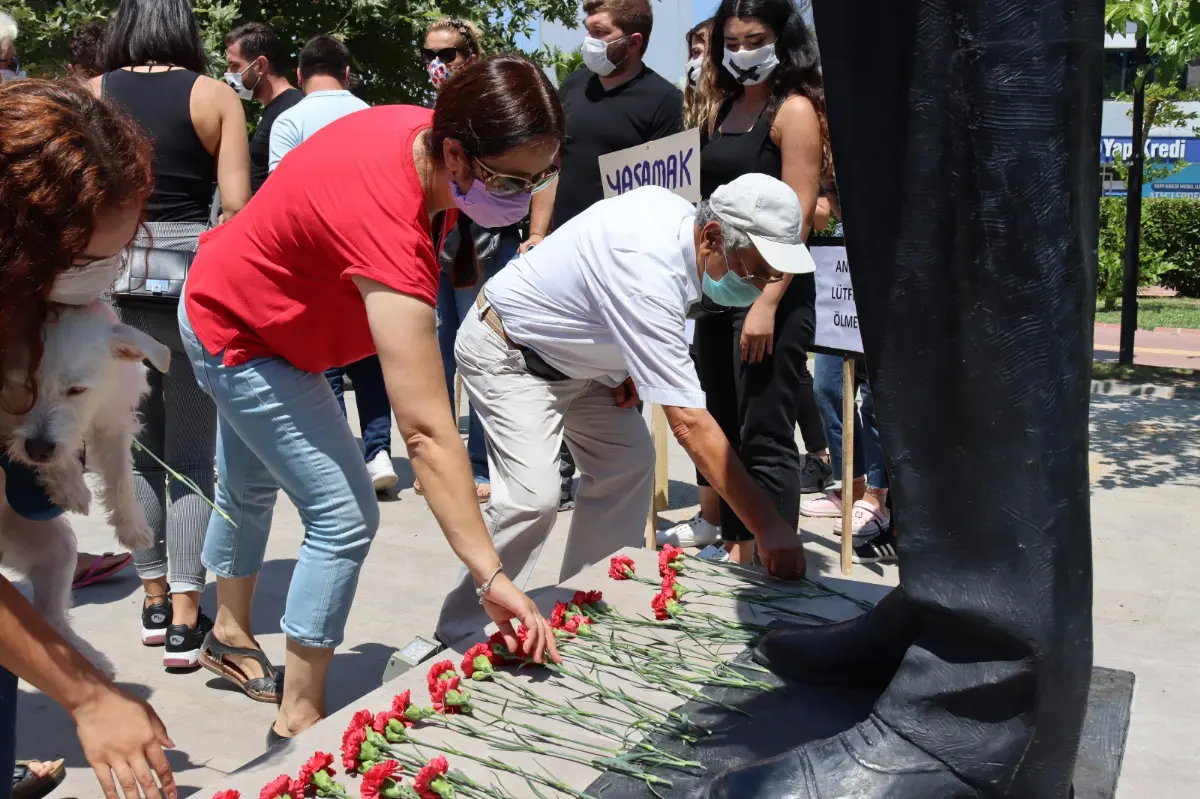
564 342
324 74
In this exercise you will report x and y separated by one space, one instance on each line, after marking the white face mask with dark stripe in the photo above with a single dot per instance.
751 67
83 283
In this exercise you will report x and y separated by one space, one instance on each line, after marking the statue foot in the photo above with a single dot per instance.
868 761
865 650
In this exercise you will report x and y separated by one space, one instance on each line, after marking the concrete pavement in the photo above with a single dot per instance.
1146 519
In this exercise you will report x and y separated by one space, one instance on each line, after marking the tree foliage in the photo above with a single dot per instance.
383 35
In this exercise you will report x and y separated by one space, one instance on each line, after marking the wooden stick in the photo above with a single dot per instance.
659 501
848 411
457 397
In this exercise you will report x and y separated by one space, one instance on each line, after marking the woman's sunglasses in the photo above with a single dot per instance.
503 184
445 55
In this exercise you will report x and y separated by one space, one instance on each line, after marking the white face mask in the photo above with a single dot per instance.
82 284
238 83
11 74
693 71
595 55
751 67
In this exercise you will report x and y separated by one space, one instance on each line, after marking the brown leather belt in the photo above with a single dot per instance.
488 314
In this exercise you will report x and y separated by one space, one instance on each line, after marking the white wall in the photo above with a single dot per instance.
667 53
1116 121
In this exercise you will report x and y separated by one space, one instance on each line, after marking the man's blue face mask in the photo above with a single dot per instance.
732 290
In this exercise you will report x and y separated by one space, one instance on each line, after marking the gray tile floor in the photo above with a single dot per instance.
1146 522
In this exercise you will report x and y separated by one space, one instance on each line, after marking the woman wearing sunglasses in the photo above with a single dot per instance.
335 260
450 44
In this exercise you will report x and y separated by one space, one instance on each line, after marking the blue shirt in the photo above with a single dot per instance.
306 117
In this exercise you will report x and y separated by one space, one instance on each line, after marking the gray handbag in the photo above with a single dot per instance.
157 264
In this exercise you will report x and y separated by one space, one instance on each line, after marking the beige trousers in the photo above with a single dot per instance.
525 419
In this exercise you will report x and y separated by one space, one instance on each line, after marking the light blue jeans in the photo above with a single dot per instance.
281 427
868 452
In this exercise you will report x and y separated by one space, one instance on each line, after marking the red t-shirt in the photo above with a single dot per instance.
275 280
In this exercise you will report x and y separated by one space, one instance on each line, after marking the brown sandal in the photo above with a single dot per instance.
268 688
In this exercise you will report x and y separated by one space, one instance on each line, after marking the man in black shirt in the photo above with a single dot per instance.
615 102
257 69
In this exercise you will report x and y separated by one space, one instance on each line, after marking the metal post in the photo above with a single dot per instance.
1133 216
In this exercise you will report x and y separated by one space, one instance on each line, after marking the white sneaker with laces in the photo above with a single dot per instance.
383 476
715 552
695 532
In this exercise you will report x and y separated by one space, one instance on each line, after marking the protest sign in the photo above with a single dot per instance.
672 162
836 317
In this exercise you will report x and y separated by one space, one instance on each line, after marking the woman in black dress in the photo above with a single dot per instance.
770 118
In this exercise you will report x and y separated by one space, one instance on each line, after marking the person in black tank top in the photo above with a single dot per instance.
753 361
155 78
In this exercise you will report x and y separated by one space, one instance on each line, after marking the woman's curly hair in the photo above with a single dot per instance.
65 158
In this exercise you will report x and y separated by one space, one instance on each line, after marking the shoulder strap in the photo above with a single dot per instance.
104 85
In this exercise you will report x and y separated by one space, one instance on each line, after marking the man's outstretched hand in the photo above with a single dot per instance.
505 602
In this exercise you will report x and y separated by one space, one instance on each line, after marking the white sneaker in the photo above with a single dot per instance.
716 553
383 476
695 532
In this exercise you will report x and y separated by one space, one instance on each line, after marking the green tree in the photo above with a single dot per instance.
383 35
563 62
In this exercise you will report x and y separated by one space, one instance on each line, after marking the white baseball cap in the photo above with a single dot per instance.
768 211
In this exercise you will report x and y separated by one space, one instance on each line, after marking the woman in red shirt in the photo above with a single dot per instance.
332 262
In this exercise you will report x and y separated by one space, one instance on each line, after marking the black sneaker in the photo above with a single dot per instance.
566 500
815 475
155 620
880 549
184 643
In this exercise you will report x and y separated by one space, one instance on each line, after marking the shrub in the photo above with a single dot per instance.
1170 249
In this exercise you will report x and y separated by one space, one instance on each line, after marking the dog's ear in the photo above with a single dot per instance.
131 344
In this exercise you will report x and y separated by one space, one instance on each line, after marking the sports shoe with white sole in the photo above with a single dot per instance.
828 506
155 620
383 476
880 549
695 532
184 643
716 553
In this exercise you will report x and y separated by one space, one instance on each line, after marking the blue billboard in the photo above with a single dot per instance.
1163 150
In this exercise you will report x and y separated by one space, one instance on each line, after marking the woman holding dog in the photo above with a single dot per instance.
75 177
334 260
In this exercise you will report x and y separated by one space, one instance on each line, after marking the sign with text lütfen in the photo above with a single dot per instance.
837 318
672 162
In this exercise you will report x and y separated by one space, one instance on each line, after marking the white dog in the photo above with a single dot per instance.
89 384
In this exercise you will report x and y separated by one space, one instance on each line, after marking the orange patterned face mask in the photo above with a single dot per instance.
438 73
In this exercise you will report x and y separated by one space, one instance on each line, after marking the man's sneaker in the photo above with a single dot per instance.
880 549
566 499
865 522
383 476
155 620
815 475
695 532
828 506
183 643
716 553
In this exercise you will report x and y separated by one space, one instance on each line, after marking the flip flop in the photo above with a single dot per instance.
95 574
27 785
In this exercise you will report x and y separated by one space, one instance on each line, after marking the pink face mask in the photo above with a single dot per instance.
438 73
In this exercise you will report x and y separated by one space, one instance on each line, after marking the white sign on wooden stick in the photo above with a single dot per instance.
837 318
672 162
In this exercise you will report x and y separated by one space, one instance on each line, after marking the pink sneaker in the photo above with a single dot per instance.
828 506
865 521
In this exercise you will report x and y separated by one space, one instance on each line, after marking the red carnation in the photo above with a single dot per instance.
438 669
670 559
659 603
379 774
559 616
444 702
320 761
281 787
400 704
500 649
380 722
429 774
621 567
469 667
585 598
227 795
352 740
